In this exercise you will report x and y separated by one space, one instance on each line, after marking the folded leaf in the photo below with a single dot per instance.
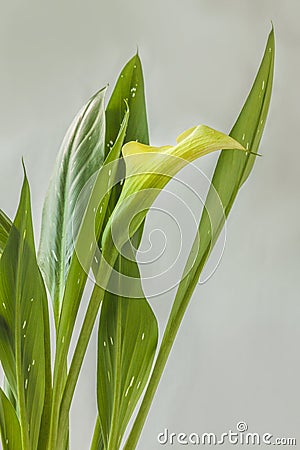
81 155
22 330
9 425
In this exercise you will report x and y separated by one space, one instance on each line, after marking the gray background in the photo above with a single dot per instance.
237 354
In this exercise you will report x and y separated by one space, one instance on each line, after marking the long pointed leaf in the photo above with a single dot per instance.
232 169
9 425
23 299
81 263
81 155
128 329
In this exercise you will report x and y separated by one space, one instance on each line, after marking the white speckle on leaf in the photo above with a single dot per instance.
143 336
111 340
24 234
108 375
138 385
24 324
26 383
24 336
29 367
104 343
31 299
4 305
109 172
54 255
63 340
131 381
127 390
33 362
263 85
243 137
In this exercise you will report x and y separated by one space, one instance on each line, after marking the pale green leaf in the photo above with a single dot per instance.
81 263
148 170
81 155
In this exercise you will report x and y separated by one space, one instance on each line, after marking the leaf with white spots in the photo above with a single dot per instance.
23 313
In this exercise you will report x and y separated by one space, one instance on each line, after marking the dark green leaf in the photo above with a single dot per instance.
22 330
232 169
128 329
127 342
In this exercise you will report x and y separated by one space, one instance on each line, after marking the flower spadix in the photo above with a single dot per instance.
148 170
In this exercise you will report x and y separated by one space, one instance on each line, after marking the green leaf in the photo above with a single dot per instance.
81 155
22 331
130 89
5 226
127 341
9 425
231 171
127 323
81 263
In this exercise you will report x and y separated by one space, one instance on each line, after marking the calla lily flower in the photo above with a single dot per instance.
148 170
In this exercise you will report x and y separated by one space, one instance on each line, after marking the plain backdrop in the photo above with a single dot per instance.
237 353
